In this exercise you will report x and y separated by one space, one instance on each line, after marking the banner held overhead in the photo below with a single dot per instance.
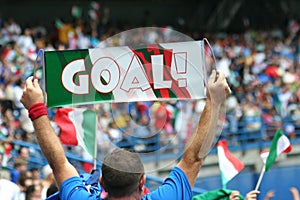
153 72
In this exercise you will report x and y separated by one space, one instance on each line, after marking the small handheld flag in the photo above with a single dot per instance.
229 165
77 127
280 144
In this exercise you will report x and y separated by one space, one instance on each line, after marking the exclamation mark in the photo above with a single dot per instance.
181 67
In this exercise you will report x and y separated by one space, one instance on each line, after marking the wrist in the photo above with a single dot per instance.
37 110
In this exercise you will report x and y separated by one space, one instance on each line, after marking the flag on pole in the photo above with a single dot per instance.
94 14
229 165
95 5
77 127
280 144
76 11
59 24
264 155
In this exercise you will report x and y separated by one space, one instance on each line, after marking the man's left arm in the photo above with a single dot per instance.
202 139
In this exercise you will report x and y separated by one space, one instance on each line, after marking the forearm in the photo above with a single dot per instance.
295 193
52 149
48 141
33 99
296 197
201 141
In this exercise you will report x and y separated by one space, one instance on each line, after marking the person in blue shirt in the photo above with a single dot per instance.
123 176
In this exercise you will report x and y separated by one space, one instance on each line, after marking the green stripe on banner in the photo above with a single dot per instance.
89 127
55 62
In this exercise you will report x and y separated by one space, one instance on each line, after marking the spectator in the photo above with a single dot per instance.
294 191
25 180
142 134
33 192
122 169
52 189
20 166
8 189
35 175
270 194
105 120
23 153
18 89
47 180
183 119
252 114
115 134
13 28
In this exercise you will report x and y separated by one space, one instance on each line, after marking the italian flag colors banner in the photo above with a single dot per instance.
280 144
229 165
125 74
77 127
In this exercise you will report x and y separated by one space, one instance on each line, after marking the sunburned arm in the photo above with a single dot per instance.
202 139
53 150
47 139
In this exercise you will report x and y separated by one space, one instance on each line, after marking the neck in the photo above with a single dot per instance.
134 196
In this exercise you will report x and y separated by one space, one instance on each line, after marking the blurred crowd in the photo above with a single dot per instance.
262 68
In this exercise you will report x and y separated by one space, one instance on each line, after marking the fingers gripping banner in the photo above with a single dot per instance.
162 71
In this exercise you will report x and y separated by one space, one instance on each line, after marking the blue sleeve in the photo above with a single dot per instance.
73 188
175 187
15 175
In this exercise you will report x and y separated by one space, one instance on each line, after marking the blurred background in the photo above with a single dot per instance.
256 44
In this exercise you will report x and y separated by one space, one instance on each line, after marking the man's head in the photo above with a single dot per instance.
122 173
23 153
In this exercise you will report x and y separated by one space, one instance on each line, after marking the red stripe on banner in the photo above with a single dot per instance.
180 92
147 65
67 129
238 165
154 49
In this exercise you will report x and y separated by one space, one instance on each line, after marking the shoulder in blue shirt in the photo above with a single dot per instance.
175 187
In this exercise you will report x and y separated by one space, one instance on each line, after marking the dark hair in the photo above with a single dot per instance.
22 147
52 189
30 191
121 172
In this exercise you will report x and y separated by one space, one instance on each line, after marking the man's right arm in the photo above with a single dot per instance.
47 139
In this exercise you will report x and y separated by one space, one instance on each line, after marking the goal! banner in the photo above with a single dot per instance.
164 71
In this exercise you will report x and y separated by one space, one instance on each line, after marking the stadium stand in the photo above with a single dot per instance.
261 58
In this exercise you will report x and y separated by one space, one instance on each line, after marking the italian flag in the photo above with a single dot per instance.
264 155
280 144
229 165
77 127
76 11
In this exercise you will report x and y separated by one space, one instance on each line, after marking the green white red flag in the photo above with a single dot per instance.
77 127
280 144
229 165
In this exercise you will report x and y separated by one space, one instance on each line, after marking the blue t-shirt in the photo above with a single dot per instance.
175 187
